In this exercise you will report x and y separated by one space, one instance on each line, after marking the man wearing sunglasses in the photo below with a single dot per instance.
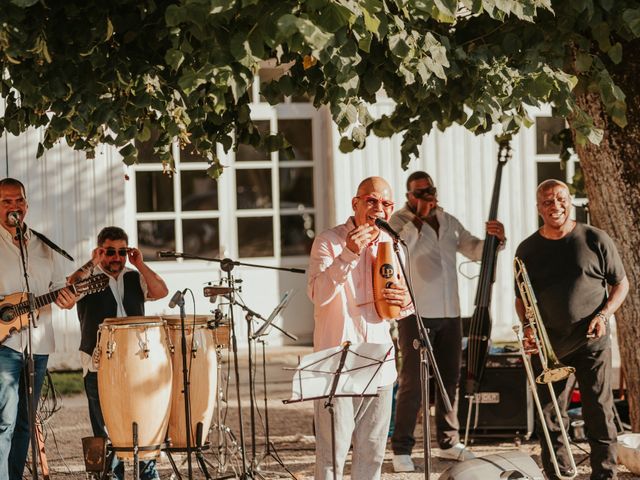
125 297
434 238
46 273
340 287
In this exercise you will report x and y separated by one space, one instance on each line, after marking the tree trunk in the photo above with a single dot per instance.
612 178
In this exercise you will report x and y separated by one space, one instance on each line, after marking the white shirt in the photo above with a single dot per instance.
340 285
432 260
116 285
45 270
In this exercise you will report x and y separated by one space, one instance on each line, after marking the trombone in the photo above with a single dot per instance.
552 369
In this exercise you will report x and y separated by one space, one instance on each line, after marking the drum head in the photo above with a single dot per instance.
173 321
147 321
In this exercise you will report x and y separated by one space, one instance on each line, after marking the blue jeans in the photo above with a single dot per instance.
148 467
14 412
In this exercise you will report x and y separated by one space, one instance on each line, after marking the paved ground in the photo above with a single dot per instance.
290 431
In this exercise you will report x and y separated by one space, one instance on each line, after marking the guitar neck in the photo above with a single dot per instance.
41 300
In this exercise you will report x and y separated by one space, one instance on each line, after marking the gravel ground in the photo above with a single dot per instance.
290 433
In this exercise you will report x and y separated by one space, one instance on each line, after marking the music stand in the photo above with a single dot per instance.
345 371
286 298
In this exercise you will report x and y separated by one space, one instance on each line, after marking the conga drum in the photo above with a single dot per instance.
134 383
201 363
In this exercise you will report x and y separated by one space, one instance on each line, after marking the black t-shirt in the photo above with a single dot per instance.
569 277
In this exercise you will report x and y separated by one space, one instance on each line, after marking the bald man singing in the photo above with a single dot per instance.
340 287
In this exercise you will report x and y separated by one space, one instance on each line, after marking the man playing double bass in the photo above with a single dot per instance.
433 237
127 292
579 282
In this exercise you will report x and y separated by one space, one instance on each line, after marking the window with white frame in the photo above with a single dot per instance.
548 163
266 207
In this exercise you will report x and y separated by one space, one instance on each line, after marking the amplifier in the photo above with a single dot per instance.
504 405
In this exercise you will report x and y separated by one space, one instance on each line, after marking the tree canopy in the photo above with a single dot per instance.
111 72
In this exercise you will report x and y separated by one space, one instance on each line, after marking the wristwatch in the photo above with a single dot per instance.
604 317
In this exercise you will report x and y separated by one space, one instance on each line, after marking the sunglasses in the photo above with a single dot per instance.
373 202
424 192
111 252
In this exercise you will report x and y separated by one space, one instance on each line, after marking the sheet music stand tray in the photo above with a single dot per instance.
350 370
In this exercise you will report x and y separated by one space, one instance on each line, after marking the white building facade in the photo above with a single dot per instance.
265 209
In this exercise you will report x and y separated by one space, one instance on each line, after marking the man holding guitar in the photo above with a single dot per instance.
433 237
128 291
45 271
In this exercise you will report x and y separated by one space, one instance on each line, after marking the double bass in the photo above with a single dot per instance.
480 327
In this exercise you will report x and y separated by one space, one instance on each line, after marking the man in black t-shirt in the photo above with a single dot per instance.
579 282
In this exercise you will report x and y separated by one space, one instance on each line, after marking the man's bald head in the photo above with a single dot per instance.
374 184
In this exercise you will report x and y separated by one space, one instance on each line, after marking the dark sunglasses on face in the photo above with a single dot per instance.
424 192
110 252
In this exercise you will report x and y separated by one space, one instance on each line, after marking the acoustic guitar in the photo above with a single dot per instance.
14 308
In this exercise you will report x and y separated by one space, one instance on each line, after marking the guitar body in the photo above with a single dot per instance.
14 308
10 322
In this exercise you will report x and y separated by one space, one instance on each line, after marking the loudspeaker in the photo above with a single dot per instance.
504 406
500 466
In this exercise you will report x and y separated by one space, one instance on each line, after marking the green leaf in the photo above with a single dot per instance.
346 145
601 34
287 25
631 17
24 3
583 61
371 22
615 53
174 58
128 150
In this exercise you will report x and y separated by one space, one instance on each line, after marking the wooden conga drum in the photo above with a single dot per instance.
134 382
202 366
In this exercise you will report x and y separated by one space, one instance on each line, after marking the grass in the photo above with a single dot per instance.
68 383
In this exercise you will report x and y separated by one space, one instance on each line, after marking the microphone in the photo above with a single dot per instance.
167 254
382 225
176 299
14 218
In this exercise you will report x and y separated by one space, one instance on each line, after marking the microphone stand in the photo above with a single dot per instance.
31 384
185 384
427 359
227 265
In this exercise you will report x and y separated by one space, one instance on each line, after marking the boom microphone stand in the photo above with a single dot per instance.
227 265
427 359
31 383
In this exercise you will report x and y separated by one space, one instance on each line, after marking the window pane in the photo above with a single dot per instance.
201 237
296 187
154 235
154 192
145 149
582 214
299 134
255 237
253 188
199 191
296 234
247 153
546 128
547 170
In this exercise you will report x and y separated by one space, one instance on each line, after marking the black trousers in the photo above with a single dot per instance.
593 373
445 335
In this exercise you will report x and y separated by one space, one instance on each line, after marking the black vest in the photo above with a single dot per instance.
94 308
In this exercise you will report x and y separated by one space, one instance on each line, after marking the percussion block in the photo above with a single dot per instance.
499 466
505 406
